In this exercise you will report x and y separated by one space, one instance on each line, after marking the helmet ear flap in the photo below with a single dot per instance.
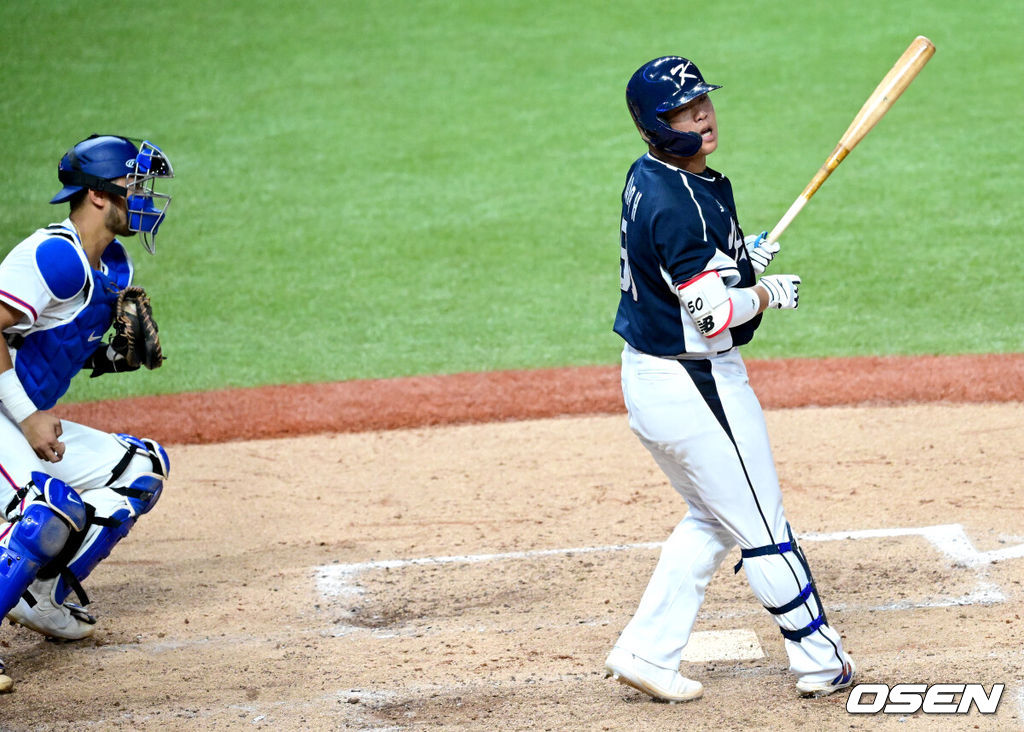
684 144
95 162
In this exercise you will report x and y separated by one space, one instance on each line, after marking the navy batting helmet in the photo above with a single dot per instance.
659 86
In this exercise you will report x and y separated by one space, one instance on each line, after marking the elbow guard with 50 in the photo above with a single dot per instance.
706 298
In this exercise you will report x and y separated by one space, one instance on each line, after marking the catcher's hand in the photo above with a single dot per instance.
105 360
135 333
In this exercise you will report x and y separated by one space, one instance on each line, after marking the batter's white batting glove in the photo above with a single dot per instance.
783 291
760 254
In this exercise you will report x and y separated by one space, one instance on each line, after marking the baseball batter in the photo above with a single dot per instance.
691 296
69 493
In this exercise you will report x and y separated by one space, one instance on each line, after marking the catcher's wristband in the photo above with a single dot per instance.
13 396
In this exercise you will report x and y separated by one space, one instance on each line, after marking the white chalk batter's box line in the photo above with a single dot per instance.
339 580
334 580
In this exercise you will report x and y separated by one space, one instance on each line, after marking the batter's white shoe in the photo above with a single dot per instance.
6 683
660 683
815 689
64 622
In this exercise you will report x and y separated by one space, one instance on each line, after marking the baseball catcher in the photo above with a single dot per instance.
70 493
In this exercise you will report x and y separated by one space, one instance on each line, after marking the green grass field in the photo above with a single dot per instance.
393 188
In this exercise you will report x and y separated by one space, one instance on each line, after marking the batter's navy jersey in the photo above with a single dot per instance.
675 225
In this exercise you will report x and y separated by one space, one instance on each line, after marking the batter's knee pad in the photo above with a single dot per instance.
38 534
139 479
804 597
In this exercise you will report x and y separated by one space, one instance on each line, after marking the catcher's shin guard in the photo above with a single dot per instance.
37 535
138 479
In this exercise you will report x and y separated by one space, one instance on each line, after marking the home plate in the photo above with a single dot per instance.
723 645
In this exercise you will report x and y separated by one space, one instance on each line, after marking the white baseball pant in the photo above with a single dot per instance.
702 423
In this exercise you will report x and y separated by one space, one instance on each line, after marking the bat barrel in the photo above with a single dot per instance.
903 72
894 83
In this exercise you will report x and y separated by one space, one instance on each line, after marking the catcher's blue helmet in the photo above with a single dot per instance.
659 86
93 163
100 159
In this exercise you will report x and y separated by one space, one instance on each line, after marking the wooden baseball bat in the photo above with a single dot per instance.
903 72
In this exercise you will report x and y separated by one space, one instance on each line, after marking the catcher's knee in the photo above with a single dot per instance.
141 473
137 480
52 511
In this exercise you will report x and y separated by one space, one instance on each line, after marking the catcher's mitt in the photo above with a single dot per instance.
135 332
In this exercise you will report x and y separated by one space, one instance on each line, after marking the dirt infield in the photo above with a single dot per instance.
471 570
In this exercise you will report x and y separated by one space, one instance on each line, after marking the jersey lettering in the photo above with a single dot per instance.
626 283
672 227
736 249
630 190
636 202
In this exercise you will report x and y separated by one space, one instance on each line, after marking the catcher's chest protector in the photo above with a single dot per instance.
47 359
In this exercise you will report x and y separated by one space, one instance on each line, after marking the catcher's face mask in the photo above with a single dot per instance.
146 207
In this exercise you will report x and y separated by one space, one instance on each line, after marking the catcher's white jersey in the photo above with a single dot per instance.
66 306
45 277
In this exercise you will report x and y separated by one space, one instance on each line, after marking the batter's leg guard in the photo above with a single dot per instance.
803 598
37 535
138 479
819 654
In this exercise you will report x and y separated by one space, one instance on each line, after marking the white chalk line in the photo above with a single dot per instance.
329 588
334 580
950 539
337 580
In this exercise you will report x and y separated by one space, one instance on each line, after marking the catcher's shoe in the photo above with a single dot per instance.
6 683
661 683
64 622
813 689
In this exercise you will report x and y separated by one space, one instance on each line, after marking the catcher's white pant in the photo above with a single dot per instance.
89 457
705 428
